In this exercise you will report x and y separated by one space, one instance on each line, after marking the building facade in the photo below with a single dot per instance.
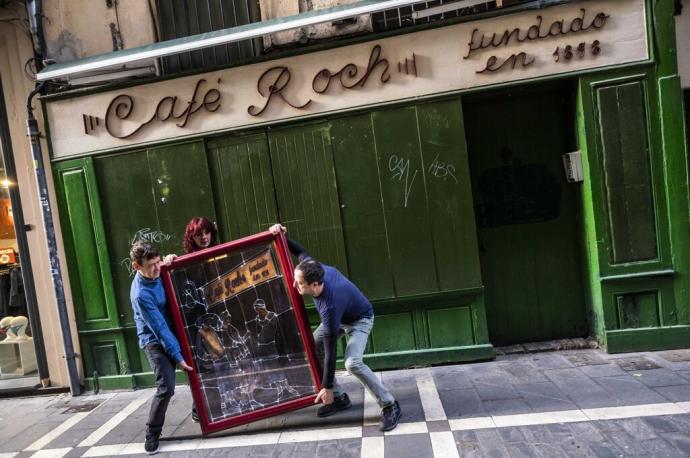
513 175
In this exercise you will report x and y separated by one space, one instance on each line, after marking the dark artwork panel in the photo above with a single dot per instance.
240 324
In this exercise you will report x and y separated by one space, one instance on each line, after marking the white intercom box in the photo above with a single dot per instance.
572 162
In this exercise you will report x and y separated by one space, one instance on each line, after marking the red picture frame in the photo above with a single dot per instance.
240 374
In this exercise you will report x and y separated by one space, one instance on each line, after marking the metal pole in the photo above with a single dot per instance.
39 169
22 243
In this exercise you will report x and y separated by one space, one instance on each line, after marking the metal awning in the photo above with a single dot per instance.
219 37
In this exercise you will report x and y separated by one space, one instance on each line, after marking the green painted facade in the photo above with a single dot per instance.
405 200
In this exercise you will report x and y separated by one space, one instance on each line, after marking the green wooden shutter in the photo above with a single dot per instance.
364 223
84 240
103 348
626 172
243 185
306 190
128 206
151 194
449 195
629 264
402 180
181 185
406 200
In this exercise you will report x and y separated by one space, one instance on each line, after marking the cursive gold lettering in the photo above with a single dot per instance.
537 31
212 100
190 110
171 108
556 28
123 105
270 87
493 65
323 78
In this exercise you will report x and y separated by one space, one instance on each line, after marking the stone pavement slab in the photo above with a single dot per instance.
572 403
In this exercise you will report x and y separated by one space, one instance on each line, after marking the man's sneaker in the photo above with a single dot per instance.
195 416
339 403
151 445
390 416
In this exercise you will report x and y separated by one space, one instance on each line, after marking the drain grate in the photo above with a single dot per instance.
86 407
585 360
675 356
636 364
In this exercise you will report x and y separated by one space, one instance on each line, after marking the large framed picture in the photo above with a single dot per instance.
244 330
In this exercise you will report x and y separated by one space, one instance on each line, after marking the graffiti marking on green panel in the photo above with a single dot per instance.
449 193
404 200
128 208
361 207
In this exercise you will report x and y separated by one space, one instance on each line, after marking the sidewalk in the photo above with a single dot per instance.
570 403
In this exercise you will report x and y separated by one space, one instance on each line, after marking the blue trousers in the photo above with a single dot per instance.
164 369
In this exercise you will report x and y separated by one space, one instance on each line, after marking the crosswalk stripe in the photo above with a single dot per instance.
540 418
373 447
443 442
109 425
418 427
64 426
107 450
443 445
313 435
463 424
431 402
645 410
239 441
52 453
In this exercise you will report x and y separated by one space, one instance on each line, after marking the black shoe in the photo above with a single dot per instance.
195 416
390 416
339 403
151 445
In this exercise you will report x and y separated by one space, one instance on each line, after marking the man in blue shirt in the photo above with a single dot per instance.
343 309
155 335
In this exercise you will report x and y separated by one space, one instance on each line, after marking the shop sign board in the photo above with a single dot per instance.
8 256
563 39
244 330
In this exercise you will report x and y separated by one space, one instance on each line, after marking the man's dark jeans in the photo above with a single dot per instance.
164 369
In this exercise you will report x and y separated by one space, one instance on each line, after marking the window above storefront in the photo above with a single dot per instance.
191 17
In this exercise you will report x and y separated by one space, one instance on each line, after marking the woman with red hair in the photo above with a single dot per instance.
200 233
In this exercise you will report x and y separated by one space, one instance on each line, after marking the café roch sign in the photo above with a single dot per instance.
562 39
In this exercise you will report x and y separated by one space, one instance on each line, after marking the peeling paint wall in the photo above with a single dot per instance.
271 9
125 24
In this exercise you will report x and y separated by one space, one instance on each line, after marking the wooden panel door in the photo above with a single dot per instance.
527 215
